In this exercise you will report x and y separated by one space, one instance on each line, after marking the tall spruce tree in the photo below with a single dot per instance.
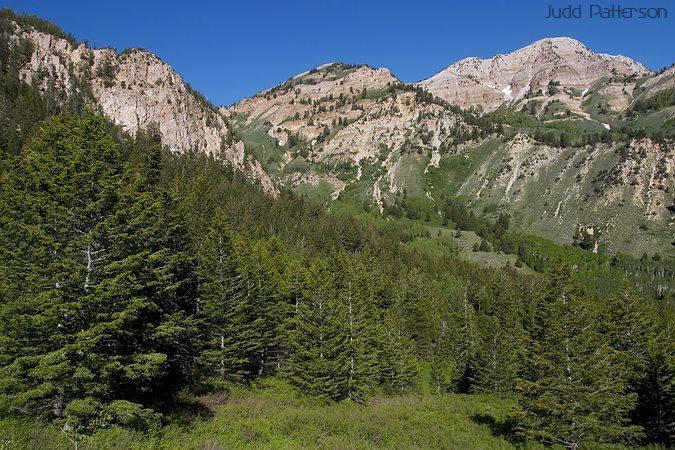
571 392
319 362
501 343
399 365
98 298
227 339
361 316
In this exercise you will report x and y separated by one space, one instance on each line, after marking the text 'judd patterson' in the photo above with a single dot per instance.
594 11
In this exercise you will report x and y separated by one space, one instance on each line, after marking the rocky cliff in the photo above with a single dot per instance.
135 89
561 66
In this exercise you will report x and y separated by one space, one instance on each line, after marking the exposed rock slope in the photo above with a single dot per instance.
356 134
135 89
522 74
326 124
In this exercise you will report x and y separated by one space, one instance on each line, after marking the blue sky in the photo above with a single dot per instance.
229 50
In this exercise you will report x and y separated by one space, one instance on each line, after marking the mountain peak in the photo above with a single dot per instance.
510 77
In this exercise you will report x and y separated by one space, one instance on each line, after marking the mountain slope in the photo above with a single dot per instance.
579 143
134 89
338 125
356 135
522 74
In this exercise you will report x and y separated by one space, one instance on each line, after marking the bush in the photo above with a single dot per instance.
85 416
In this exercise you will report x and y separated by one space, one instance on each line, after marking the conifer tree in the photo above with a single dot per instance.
319 362
100 298
443 360
228 341
399 365
361 316
466 342
571 393
500 349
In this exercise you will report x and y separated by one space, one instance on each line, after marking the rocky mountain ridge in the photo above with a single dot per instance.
550 154
135 89
357 134
522 74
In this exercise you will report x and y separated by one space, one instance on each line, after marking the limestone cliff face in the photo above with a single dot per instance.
489 83
134 89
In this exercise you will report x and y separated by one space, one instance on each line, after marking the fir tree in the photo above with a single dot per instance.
319 362
571 393
227 340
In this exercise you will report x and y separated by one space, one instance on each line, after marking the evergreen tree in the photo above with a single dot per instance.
500 349
228 341
655 387
319 361
362 317
571 393
399 365
100 298
466 342
443 363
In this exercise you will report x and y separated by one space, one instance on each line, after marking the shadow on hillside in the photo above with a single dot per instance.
500 428
187 411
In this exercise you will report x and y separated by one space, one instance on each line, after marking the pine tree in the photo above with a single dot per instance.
466 343
500 349
228 341
399 365
655 386
571 392
630 327
319 362
443 360
100 298
361 316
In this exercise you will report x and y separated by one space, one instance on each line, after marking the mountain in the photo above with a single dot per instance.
524 76
134 89
570 143
357 135
339 124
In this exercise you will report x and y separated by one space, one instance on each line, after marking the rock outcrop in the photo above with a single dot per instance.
509 78
135 89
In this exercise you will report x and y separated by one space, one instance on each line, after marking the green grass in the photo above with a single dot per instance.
464 245
273 416
454 170
259 143
319 192
662 121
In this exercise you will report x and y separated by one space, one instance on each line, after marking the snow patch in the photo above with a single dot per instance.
507 91
606 125
584 93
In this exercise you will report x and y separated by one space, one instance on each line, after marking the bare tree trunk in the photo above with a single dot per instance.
57 407
222 357
90 267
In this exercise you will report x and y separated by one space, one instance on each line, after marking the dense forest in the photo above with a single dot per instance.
131 277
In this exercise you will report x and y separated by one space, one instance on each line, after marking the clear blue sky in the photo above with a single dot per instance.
229 50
